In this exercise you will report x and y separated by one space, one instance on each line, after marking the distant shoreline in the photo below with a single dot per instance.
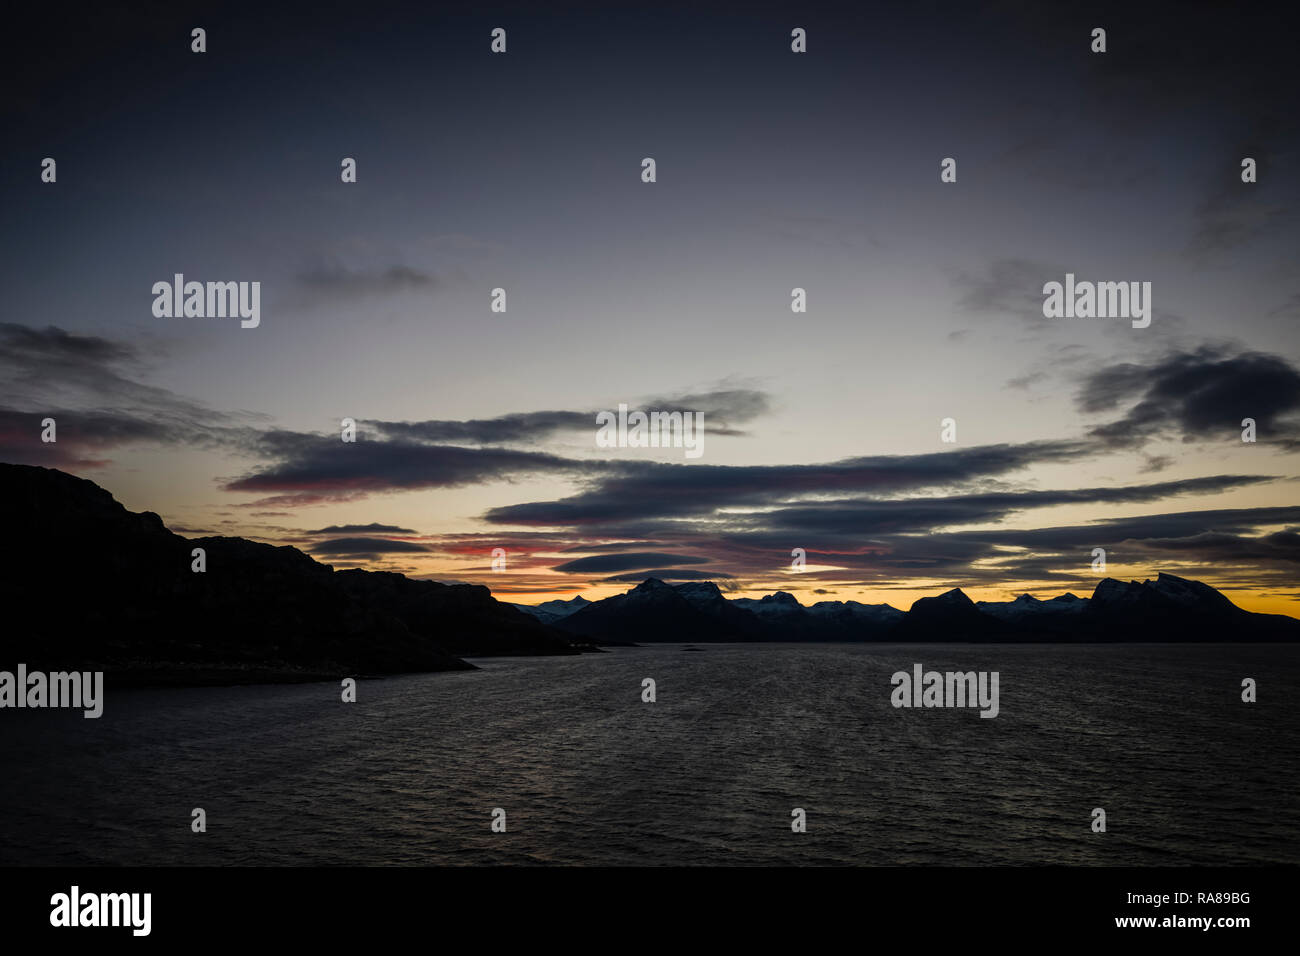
181 676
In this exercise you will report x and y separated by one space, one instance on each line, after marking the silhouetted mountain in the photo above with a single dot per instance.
939 618
697 611
785 619
1028 608
1167 609
706 598
779 608
856 621
87 584
1028 618
1174 609
459 618
654 611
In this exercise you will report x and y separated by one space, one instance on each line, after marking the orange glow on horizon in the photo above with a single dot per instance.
1260 602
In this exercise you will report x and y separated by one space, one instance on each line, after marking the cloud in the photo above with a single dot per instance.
361 547
504 429
1226 544
1180 524
667 574
723 409
335 281
927 514
1256 547
658 490
373 528
88 385
324 466
1023 382
626 561
1203 394
743 522
52 345
1010 287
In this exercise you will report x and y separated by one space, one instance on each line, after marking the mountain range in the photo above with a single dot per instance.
1166 609
87 585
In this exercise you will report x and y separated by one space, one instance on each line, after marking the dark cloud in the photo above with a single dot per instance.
520 427
88 385
667 574
890 542
626 562
604 548
53 345
326 466
1229 545
1203 394
924 514
372 528
86 438
649 489
1182 524
1225 544
362 547
723 409
64 367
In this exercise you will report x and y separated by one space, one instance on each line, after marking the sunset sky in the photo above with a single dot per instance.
775 170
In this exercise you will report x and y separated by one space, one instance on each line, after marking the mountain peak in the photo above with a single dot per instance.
954 597
651 586
1190 593
950 601
699 589
1111 590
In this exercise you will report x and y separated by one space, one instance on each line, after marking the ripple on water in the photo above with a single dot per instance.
738 737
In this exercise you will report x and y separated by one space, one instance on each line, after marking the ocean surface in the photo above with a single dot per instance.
738 737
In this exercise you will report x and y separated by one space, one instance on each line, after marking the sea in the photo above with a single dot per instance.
748 755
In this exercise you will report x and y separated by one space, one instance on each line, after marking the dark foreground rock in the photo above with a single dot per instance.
86 584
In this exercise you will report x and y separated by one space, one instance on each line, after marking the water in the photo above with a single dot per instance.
740 735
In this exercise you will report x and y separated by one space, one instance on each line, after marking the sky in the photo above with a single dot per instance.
775 170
